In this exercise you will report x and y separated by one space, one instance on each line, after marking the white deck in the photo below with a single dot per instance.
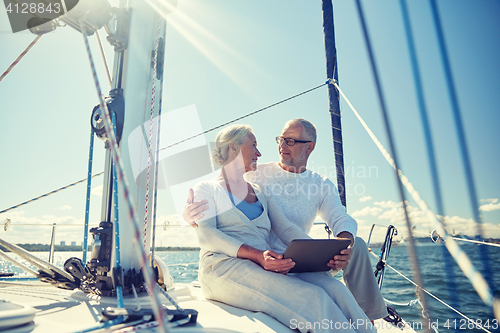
61 311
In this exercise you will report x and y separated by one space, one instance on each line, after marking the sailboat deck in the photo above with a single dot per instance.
61 311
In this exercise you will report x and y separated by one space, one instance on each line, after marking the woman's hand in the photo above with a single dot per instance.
272 261
268 259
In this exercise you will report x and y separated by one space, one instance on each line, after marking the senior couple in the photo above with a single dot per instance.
243 229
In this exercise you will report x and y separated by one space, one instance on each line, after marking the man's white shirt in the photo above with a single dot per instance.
302 197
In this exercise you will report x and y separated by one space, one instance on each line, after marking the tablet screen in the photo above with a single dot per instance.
312 255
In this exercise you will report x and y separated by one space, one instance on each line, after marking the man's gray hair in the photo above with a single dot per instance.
234 133
308 127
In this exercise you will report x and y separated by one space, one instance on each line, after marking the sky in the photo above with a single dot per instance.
229 58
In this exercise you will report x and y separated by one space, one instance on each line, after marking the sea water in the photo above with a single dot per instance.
183 266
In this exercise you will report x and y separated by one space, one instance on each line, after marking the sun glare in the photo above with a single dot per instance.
220 53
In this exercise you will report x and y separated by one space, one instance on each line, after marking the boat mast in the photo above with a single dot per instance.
134 99
333 95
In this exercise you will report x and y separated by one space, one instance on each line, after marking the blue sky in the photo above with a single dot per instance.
230 58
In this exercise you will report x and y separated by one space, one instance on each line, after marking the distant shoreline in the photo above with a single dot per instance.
76 248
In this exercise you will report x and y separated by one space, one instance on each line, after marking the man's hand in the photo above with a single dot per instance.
272 261
193 210
346 234
341 261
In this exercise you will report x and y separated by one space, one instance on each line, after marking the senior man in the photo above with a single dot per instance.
302 195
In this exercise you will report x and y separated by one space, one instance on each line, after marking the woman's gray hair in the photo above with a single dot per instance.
308 127
234 133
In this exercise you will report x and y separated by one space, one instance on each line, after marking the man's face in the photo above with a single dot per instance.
296 155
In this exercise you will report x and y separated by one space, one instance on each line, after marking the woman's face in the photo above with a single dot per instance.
250 153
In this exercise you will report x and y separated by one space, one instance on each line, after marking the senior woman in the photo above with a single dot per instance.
236 265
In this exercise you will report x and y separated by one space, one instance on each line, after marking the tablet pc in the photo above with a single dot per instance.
312 255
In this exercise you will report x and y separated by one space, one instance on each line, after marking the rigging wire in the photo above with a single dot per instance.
118 162
49 193
462 239
388 130
87 202
461 140
457 253
430 294
103 56
245 116
174 144
18 59
450 278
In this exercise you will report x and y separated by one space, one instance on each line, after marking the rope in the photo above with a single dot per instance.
150 140
170 299
87 203
136 298
456 252
157 161
461 140
49 193
245 116
450 278
18 59
138 328
410 303
119 292
106 324
148 275
430 294
103 55
388 130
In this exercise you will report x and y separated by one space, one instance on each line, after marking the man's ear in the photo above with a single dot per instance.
310 148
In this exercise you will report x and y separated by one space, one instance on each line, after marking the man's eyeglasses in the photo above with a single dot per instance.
288 141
